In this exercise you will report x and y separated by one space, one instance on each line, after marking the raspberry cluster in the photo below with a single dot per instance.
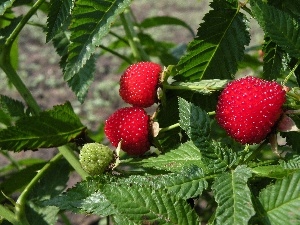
131 125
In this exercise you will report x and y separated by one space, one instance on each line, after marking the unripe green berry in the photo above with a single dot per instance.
95 158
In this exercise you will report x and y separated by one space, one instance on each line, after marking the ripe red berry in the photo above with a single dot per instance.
131 125
249 107
139 83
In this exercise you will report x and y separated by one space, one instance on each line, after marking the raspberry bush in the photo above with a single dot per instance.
219 144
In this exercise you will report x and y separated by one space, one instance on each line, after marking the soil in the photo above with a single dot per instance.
39 68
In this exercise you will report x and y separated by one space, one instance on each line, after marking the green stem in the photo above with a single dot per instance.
23 22
69 154
190 87
169 127
116 54
291 73
5 62
13 77
119 37
20 204
134 42
9 216
212 113
173 126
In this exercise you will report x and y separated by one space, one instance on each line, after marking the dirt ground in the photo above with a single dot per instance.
39 68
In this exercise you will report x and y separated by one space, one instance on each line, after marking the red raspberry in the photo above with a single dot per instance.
249 107
139 83
131 125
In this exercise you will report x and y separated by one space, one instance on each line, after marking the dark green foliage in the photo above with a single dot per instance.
233 197
91 21
219 45
282 28
49 129
145 197
59 12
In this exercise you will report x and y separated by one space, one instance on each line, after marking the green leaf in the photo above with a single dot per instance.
292 6
272 171
82 80
85 197
51 128
61 43
272 60
133 203
143 205
164 20
185 155
12 107
281 201
4 5
189 183
203 86
186 183
282 28
219 45
5 119
10 110
41 215
291 162
194 121
91 21
217 157
59 12
233 197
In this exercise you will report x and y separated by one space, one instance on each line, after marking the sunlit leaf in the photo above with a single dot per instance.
219 45
233 197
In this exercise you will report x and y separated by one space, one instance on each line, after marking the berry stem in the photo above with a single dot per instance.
170 127
211 113
178 125
291 73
